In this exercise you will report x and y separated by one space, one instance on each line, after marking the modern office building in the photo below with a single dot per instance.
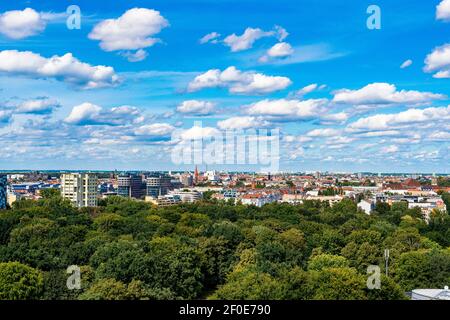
158 186
186 196
80 189
187 180
3 191
130 186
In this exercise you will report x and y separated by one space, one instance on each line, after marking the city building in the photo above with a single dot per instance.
164 201
366 205
259 199
3 191
158 185
212 176
187 180
80 189
431 294
130 186
196 175
187 196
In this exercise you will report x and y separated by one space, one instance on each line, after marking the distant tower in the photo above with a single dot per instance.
196 175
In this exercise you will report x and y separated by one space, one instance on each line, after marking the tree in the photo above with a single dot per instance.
49 193
338 284
297 284
422 269
250 285
19 282
389 290
106 289
323 261
217 260
118 260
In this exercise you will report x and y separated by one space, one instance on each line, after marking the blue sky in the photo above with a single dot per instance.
109 95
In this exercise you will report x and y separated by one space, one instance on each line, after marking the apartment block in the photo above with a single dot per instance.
80 189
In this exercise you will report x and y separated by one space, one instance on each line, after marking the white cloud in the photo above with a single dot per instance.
324 132
91 114
66 68
376 134
289 109
439 61
383 93
296 139
308 89
403 119
335 117
210 37
339 141
134 30
84 113
137 56
279 50
390 149
155 129
18 24
37 106
197 107
443 10
242 123
5 116
305 90
406 64
246 40
197 132
239 82
439 136
281 33
442 74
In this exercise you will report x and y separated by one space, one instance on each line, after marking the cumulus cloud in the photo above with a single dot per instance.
5 116
19 24
66 68
137 56
134 30
406 64
243 123
384 93
443 10
247 39
38 106
197 107
210 37
324 132
400 120
438 61
289 109
239 82
155 129
305 90
279 50
198 132
281 33
439 136
91 114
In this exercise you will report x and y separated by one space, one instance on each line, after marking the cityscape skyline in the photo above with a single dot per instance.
206 169
345 97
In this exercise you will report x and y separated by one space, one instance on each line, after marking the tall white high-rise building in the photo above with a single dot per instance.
80 189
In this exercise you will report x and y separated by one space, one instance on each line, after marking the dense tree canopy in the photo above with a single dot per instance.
129 249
